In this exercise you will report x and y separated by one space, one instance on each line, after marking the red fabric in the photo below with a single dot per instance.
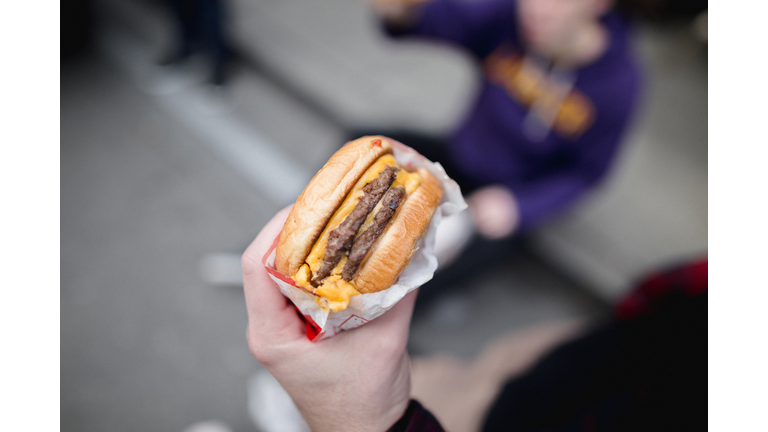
689 280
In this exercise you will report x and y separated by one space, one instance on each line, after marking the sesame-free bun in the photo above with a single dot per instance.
324 194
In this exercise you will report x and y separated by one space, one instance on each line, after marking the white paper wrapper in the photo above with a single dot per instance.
323 323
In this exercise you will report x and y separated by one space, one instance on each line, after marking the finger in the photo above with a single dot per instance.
402 312
269 312
255 251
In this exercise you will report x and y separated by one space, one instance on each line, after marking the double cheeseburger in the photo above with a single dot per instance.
355 226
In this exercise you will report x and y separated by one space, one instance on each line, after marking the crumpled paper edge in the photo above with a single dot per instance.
323 323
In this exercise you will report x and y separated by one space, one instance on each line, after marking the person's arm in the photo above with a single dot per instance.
358 380
476 25
500 210
551 193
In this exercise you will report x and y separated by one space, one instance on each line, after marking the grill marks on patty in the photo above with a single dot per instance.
340 239
365 241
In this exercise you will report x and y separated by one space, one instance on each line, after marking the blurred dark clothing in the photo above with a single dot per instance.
663 10
76 27
201 29
646 370
547 134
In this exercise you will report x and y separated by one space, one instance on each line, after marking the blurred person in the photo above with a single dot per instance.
560 85
644 370
200 29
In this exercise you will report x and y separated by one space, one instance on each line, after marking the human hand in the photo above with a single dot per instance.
495 212
397 13
358 380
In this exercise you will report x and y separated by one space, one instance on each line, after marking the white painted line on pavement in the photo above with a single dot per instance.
256 158
251 154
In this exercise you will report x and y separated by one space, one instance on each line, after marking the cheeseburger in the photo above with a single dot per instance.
355 226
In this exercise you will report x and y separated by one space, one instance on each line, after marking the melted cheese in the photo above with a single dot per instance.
336 292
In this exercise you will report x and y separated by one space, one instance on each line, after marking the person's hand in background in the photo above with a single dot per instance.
397 14
358 380
495 212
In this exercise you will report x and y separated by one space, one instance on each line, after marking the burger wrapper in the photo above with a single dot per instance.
322 322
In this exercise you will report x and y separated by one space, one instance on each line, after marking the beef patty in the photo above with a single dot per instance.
365 241
340 239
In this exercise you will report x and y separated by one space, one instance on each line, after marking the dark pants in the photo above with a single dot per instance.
648 373
201 29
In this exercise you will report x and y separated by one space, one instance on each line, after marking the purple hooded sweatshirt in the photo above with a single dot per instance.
548 135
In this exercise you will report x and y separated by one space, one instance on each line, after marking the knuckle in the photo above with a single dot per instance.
249 262
259 349
390 347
